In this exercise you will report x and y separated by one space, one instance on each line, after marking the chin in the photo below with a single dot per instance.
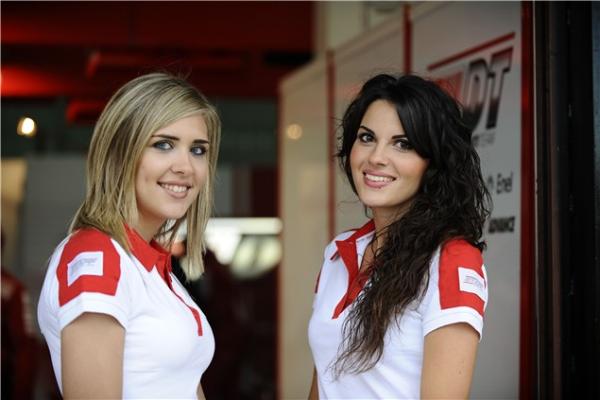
175 214
373 201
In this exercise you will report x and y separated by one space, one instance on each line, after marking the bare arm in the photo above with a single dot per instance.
314 387
200 392
92 349
448 362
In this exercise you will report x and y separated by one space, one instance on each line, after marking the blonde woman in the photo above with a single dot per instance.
117 321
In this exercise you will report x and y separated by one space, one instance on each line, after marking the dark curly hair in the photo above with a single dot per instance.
452 202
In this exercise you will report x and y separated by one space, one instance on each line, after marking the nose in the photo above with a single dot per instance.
378 156
182 163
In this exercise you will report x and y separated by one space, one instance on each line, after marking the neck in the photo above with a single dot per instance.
146 229
382 218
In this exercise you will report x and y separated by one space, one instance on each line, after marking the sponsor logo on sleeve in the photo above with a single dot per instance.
89 263
470 281
462 280
86 263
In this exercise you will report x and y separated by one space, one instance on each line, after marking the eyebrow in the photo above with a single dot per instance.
372 132
175 138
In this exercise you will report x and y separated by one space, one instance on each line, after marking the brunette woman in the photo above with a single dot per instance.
398 311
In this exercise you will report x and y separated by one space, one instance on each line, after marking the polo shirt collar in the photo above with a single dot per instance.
150 254
349 244
347 250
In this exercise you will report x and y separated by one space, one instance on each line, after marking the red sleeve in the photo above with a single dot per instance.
462 281
89 263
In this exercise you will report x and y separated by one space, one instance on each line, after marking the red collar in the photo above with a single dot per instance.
350 242
149 254
347 251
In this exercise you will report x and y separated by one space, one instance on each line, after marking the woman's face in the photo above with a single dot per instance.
172 171
386 170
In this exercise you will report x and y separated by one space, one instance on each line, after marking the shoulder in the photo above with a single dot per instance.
89 239
461 277
90 242
89 262
86 247
458 253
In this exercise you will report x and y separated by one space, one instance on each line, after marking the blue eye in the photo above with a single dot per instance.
198 150
163 145
365 137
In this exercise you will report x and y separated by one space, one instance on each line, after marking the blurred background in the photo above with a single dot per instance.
281 75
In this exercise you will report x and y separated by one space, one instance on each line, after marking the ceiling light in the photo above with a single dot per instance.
294 131
26 127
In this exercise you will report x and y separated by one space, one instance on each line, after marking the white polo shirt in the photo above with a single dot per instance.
168 341
456 292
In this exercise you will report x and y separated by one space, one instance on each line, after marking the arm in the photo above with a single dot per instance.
92 349
200 392
314 387
448 362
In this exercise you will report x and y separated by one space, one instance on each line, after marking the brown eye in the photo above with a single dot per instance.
403 144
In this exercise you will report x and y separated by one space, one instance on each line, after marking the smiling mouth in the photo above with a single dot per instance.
175 188
378 179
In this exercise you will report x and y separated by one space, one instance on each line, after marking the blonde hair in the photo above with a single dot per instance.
136 111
